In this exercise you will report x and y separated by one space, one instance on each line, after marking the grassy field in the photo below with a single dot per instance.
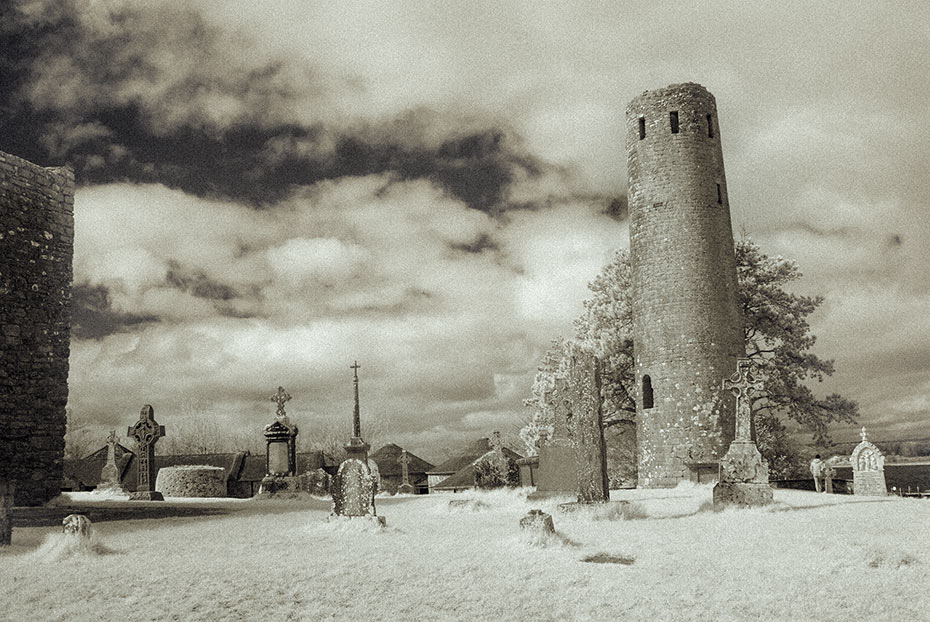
807 557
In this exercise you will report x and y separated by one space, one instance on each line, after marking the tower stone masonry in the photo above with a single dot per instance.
36 242
687 324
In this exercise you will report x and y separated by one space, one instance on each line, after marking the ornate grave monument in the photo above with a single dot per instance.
744 474
146 432
355 483
405 486
109 474
868 467
280 450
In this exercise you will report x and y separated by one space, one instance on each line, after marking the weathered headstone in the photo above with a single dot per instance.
588 433
109 474
146 433
555 474
744 474
868 468
6 512
405 486
76 525
538 522
828 473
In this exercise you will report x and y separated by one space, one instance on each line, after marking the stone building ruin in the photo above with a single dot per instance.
36 242
687 324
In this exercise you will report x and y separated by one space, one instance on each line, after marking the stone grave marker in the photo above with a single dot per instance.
744 474
281 440
76 525
355 483
538 522
555 473
146 433
588 433
6 512
109 474
405 486
868 467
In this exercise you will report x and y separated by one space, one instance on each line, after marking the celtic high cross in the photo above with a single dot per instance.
279 398
740 384
146 433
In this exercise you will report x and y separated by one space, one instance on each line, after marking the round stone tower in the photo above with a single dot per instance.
687 324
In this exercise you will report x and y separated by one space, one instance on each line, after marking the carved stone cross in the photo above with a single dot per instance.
404 461
740 384
862 434
279 398
146 433
111 447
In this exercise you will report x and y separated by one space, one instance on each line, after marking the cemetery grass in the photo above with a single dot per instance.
809 556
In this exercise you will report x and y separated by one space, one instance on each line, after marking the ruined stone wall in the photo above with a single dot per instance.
687 322
36 241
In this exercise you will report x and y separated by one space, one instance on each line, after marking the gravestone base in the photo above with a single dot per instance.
279 486
745 494
406 489
378 521
869 483
576 506
146 495
744 477
110 489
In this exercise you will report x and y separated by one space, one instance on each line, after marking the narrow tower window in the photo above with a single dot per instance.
673 119
719 195
647 392
642 128
710 126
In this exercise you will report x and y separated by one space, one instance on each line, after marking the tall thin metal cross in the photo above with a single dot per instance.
356 419
740 384
279 398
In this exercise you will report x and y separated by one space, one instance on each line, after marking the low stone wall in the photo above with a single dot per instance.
191 481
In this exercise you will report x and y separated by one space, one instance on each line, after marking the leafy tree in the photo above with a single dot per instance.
778 340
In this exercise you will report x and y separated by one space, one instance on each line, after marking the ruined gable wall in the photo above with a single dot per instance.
687 323
36 248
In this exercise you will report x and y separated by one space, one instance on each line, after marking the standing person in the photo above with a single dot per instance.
817 472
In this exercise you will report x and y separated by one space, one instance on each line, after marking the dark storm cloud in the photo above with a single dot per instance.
92 316
97 98
198 284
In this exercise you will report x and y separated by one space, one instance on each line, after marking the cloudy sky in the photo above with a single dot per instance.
269 191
